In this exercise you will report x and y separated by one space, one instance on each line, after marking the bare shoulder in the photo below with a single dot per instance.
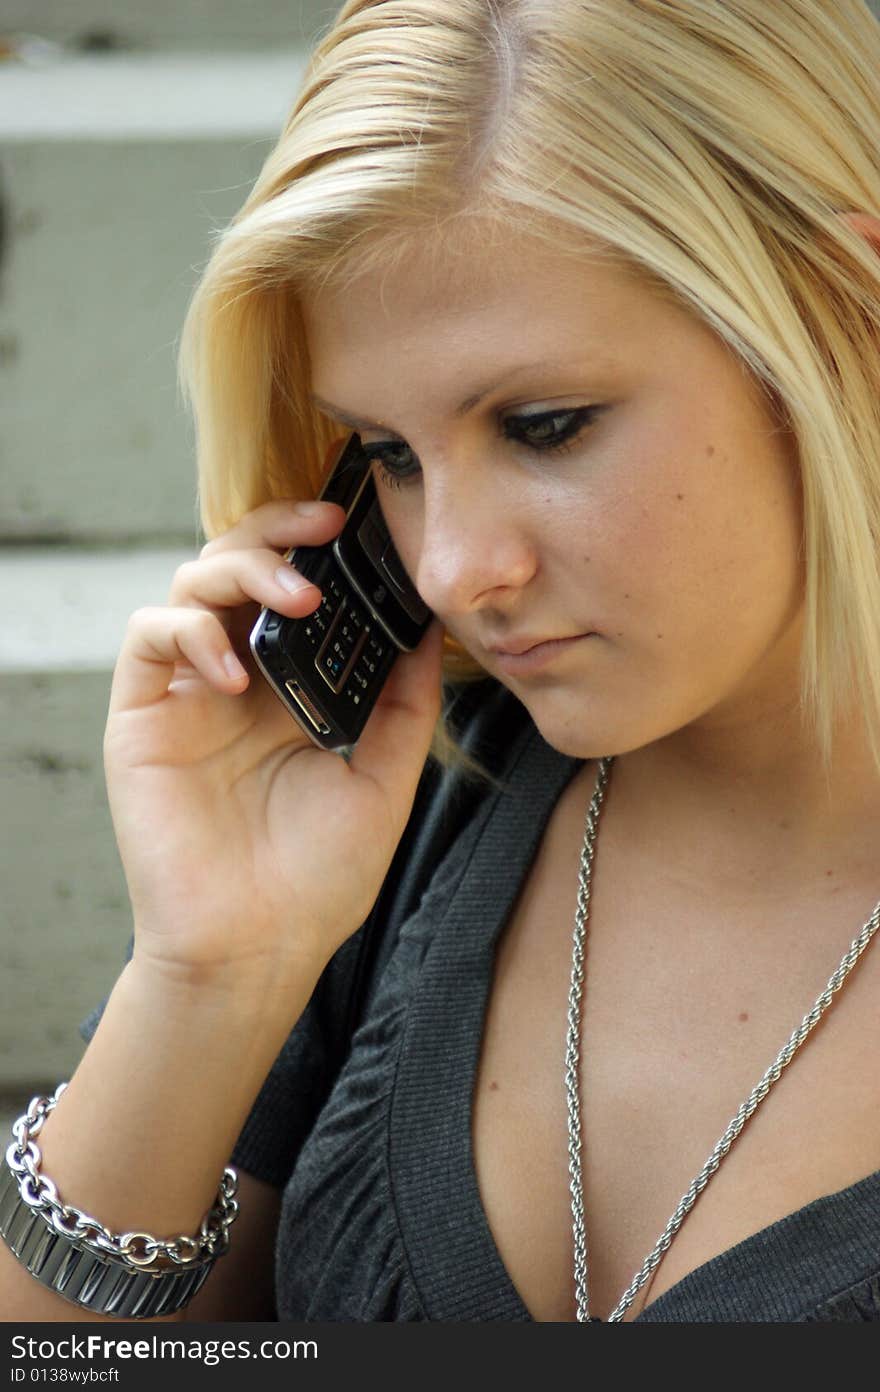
241 1285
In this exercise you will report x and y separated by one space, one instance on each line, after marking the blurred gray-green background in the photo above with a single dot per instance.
128 134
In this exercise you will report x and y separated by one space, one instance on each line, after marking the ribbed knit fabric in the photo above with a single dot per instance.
381 1217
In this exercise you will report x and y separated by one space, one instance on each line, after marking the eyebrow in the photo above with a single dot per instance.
344 416
463 407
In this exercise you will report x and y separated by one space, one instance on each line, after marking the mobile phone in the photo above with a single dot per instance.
330 666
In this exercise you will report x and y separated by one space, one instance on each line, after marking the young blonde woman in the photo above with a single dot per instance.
597 282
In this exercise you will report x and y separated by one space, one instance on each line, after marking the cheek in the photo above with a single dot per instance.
707 552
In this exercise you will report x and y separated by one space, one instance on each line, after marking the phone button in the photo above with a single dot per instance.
340 650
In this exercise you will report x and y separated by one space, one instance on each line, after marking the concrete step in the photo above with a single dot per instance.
66 610
114 178
65 913
217 24
122 97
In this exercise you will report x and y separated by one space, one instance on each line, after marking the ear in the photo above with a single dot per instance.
867 225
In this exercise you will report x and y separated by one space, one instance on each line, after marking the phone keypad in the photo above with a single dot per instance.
346 636
369 660
316 626
369 667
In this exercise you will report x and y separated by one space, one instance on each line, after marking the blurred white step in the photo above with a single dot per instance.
66 610
149 96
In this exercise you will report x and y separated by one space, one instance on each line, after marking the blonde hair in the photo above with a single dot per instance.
711 145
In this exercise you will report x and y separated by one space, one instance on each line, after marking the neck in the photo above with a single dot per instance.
755 799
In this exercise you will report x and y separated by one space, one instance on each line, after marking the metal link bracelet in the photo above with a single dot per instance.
137 1248
131 1274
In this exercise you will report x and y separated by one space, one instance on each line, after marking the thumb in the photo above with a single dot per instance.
396 738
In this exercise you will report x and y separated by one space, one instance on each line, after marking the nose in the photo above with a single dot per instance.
477 549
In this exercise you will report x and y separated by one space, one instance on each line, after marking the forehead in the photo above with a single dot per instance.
470 289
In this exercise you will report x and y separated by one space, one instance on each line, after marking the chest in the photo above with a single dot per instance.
686 1002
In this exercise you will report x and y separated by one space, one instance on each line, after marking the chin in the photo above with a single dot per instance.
570 735
575 745
584 730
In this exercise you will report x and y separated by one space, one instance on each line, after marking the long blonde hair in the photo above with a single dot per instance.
712 145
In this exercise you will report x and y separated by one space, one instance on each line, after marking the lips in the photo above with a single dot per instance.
514 646
534 655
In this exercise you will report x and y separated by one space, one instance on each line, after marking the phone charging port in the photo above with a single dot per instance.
309 710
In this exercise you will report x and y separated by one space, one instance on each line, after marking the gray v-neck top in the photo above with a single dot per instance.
381 1217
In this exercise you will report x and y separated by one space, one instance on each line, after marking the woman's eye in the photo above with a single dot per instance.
542 433
391 455
550 430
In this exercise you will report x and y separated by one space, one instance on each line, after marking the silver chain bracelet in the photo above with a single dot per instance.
132 1274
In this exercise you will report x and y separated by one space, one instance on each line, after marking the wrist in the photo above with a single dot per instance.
240 993
150 1118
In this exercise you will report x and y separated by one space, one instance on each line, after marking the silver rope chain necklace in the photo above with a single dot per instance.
572 1076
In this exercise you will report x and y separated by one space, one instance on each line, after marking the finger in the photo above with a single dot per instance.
281 524
394 744
156 639
235 578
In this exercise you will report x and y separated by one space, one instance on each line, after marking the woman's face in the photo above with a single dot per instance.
563 453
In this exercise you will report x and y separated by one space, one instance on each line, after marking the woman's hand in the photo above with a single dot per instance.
250 854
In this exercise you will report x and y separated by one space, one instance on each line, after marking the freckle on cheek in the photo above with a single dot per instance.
680 497
710 451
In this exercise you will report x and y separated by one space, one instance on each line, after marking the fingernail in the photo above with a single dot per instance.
289 580
309 509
